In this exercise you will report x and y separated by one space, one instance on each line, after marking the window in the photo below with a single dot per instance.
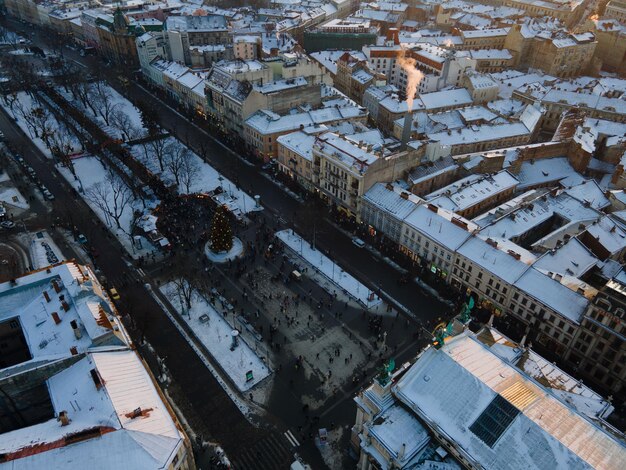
504 289
480 274
524 301
490 282
494 420
516 296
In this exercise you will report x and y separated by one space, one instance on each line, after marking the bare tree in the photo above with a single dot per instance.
190 171
83 92
62 144
176 161
103 101
122 121
10 99
112 196
157 148
185 290
43 123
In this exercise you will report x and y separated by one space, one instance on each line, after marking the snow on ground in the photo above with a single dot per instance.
43 251
10 38
12 197
207 179
89 171
20 52
224 256
28 103
119 103
215 333
337 276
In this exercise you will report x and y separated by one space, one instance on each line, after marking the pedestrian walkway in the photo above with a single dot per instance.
329 269
270 453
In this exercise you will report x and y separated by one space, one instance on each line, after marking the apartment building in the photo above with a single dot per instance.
391 108
67 365
185 31
616 10
567 12
476 39
491 60
262 130
384 207
415 417
474 194
545 45
440 67
116 39
556 101
295 155
347 169
611 47
350 33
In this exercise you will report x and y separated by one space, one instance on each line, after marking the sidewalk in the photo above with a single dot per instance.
332 272
236 358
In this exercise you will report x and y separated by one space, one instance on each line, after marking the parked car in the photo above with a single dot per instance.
114 294
8 224
358 242
82 239
47 194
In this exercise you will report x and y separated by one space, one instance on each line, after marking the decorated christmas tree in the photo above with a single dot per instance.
221 231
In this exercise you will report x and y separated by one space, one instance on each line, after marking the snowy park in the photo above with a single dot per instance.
117 116
335 276
241 363
176 164
40 124
109 197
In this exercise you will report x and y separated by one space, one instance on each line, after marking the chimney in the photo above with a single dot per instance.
63 418
406 130
56 318
96 378
65 305
393 35
46 296
404 195
75 327
492 242
433 208
57 289
73 350
389 186
401 452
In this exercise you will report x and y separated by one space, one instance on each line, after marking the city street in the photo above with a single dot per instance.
307 392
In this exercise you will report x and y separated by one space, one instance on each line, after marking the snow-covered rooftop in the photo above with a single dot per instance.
471 190
502 418
47 325
388 197
437 224
116 416
572 259
547 170
299 142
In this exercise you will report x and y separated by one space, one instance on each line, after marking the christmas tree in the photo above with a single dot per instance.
221 232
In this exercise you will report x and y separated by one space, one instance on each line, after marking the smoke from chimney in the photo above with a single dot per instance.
413 77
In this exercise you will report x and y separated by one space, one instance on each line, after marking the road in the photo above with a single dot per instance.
208 401
211 405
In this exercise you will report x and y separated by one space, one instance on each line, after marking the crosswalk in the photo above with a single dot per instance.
273 452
